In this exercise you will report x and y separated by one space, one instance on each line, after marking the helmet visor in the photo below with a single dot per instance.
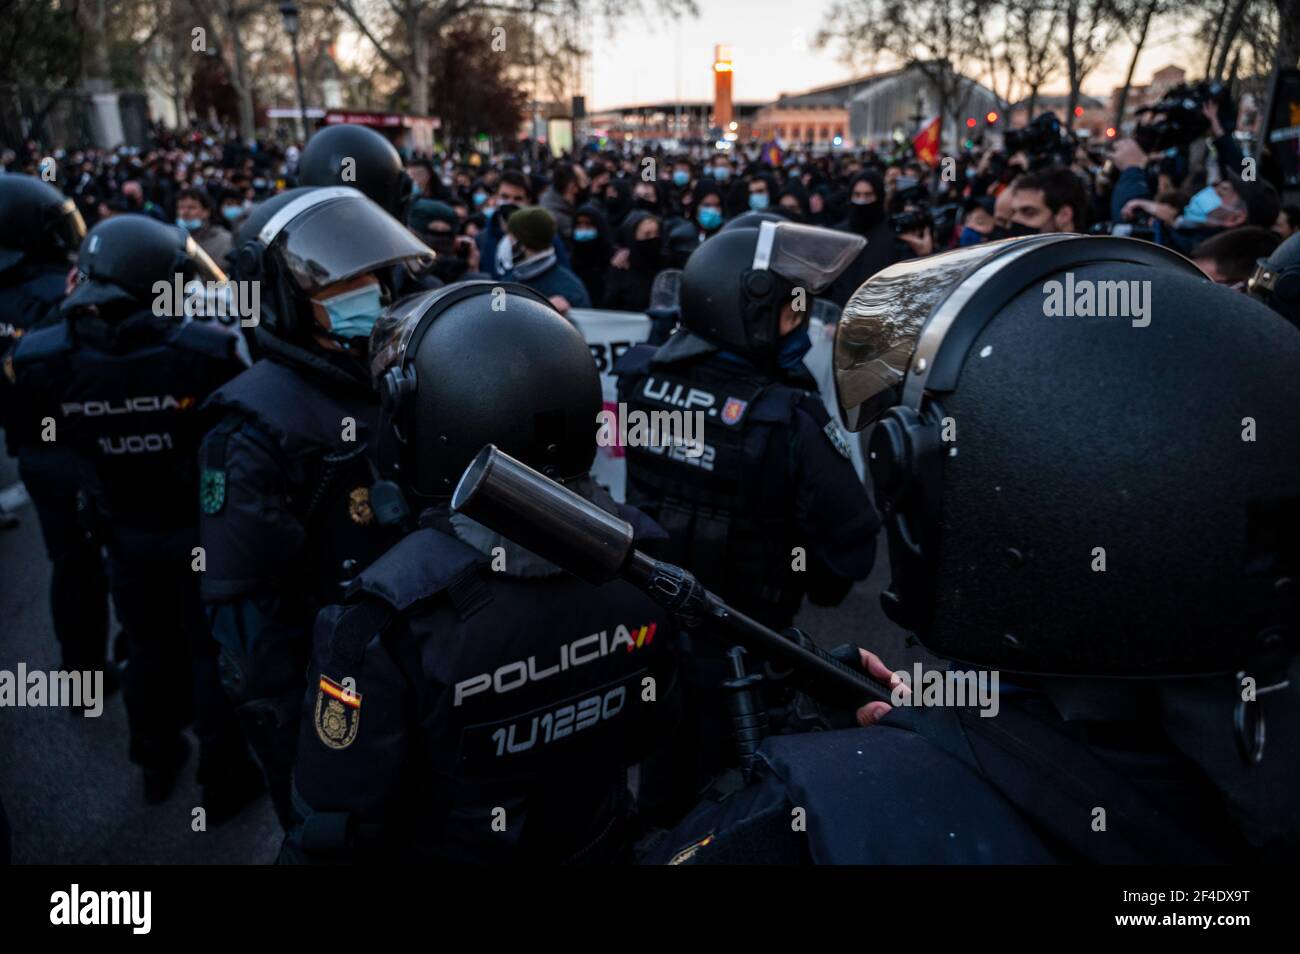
343 237
665 290
882 322
805 255
68 228
393 330
204 267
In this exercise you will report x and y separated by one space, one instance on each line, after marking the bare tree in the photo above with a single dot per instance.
934 36
1288 41
406 33
1139 15
1019 50
226 22
1091 28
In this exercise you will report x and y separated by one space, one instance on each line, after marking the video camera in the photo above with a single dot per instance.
1180 117
1044 141
913 220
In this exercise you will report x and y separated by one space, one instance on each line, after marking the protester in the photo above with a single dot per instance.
532 239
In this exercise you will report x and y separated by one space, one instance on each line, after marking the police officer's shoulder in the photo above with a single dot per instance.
635 360
422 565
47 286
44 343
931 809
205 339
775 404
811 415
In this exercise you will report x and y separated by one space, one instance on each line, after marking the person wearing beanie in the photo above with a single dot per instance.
532 250
436 224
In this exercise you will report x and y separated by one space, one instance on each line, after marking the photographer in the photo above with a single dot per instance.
1229 258
1051 200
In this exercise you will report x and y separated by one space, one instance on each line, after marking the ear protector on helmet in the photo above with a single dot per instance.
396 340
1282 284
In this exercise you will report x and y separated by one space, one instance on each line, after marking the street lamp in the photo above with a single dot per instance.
290 14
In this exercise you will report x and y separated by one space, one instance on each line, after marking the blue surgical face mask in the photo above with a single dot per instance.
479 198
793 347
489 211
353 314
970 237
189 225
681 177
584 235
758 201
721 173
232 212
710 217
1201 205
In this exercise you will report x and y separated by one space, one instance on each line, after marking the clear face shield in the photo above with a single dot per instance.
806 256
393 331
665 290
330 235
70 229
883 322
206 270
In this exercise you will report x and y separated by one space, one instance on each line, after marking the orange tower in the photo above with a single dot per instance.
722 112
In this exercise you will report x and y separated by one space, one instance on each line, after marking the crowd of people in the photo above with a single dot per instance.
608 221
312 455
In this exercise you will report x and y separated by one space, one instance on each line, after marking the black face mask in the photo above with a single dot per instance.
646 254
648 205
444 243
504 212
865 216
1014 230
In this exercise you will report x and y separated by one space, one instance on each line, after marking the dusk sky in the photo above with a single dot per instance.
640 62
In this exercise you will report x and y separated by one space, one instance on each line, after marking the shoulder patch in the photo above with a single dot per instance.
338 713
733 410
839 440
212 491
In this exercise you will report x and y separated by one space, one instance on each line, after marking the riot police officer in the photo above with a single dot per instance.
1027 462
40 231
1276 281
286 476
128 375
472 702
349 155
359 157
769 509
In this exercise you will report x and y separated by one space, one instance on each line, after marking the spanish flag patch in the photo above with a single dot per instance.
338 713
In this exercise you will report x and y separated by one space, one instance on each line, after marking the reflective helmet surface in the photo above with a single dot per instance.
361 158
37 222
736 284
1088 455
480 363
124 257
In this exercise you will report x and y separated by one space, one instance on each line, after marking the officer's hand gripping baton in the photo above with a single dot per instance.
573 533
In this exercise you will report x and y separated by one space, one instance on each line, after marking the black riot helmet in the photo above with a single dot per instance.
303 240
1088 455
361 158
122 260
37 223
479 363
736 284
753 219
1276 281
